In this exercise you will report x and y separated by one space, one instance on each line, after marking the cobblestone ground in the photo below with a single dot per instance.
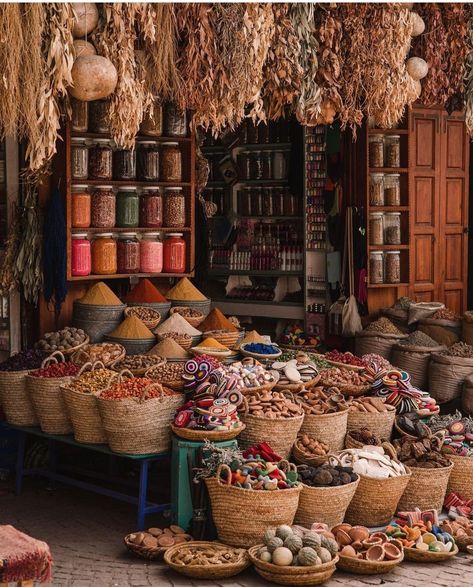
85 535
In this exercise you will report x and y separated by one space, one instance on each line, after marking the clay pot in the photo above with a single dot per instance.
359 533
344 527
391 551
343 538
375 553
372 541
348 550
380 535
357 545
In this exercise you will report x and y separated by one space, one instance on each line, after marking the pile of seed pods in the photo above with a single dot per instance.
371 461
301 369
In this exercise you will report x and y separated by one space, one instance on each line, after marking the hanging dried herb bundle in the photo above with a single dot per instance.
388 86
10 65
468 80
8 275
130 100
283 73
308 102
454 19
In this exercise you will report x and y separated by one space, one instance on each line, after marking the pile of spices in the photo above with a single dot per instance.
176 323
135 388
211 343
24 361
62 340
459 349
253 336
144 313
333 377
444 314
169 349
216 320
261 348
145 292
185 290
57 370
188 312
345 358
138 362
92 381
133 329
100 295
383 325
418 338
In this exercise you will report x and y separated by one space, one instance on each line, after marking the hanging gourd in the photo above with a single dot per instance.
418 24
83 48
86 17
94 77
417 68
418 90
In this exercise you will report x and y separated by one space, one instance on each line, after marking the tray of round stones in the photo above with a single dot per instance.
272 405
296 373
347 381
319 400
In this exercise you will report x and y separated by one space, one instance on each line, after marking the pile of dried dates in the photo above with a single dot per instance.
326 475
369 404
272 405
310 446
318 400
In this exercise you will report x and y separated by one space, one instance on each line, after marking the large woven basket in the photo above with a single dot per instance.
228 339
380 423
136 426
262 509
426 489
358 566
293 575
426 556
415 360
324 504
461 477
447 375
376 342
15 399
327 428
376 500
48 402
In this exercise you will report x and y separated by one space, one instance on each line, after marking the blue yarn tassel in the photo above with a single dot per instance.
55 252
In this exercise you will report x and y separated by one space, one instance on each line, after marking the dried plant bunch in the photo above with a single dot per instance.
468 78
11 42
454 19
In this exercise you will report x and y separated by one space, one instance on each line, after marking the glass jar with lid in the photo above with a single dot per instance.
280 165
174 253
256 165
80 115
128 253
81 263
127 207
376 226
174 208
151 207
267 164
171 162
100 160
151 253
104 254
376 267
392 228
148 161
80 206
103 207
99 120
393 266
392 189
393 151
124 164
377 189
79 158
175 121
376 151
152 124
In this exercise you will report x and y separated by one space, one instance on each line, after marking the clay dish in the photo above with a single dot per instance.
381 535
359 533
372 541
391 551
345 527
375 553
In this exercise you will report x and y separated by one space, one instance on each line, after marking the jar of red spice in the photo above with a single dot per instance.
151 253
100 160
128 253
104 254
81 263
174 253
151 208
174 208
80 207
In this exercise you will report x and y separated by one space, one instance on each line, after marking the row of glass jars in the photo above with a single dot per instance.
150 161
385 228
385 189
94 117
385 267
384 151
108 255
103 208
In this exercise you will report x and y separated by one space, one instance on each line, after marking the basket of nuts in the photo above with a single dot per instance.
193 316
309 451
151 545
168 374
150 317
137 364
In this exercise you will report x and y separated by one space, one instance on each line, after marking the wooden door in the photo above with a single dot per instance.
453 198
424 187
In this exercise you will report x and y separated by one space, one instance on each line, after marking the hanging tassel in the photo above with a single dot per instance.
55 252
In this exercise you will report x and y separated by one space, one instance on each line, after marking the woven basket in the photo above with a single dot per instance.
182 341
415 360
161 307
376 342
266 387
380 423
298 576
192 320
422 556
324 504
81 356
446 376
359 566
426 489
72 350
146 552
15 399
461 477
327 428
203 435
136 426
463 542
350 442
301 457
201 305
49 405
215 572
228 339
152 323
133 346
375 500
262 510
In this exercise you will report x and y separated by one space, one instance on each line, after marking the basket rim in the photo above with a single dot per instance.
209 434
297 489
259 355
238 565
292 418
289 570
426 470
413 554
335 487
329 414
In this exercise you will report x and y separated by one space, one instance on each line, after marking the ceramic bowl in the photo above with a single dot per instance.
375 553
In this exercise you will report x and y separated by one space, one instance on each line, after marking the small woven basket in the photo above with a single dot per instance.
359 566
228 339
192 320
301 457
228 503
327 428
380 423
297 387
461 477
426 556
82 356
200 305
47 399
183 341
15 399
146 552
161 307
152 322
426 489
350 442
203 435
72 350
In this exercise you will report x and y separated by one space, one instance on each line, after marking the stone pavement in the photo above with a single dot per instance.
85 534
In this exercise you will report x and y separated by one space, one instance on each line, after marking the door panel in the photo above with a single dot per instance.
454 194
453 270
455 145
424 202
454 300
426 151
424 255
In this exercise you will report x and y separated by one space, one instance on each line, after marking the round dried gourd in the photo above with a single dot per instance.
283 531
307 557
324 555
418 24
94 77
282 557
268 534
86 17
83 48
330 544
294 543
311 539
274 543
417 68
